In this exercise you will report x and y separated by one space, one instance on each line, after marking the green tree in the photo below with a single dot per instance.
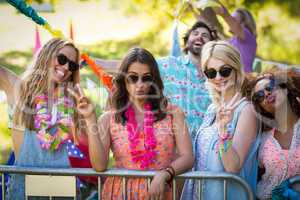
277 21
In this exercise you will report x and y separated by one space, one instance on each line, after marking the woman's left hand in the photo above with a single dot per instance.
298 99
157 186
84 105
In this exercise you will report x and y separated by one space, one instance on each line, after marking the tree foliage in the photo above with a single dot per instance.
278 22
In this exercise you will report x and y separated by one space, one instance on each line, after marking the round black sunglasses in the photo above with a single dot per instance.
224 71
132 78
62 60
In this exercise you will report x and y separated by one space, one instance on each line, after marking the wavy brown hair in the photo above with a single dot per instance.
286 78
120 98
35 81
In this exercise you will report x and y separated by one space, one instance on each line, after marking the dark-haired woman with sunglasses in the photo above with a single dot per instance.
227 139
44 119
276 100
143 131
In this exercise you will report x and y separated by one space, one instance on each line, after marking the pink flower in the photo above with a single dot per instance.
147 156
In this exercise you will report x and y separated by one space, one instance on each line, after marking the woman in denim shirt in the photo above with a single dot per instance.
227 141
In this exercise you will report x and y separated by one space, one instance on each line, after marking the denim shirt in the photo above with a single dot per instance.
206 159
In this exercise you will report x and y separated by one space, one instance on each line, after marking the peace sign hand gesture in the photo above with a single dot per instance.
84 105
225 113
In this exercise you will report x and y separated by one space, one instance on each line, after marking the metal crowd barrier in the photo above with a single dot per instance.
199 175
295 179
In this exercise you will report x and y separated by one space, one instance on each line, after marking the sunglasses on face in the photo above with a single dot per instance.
259 96
62 60
224 71
132 78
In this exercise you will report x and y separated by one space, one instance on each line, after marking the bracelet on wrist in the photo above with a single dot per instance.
223 143
170 175
170 170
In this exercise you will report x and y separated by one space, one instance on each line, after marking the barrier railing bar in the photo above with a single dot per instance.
225 189
148 183
3 185
99 188
200 188
124 188
295 179
122 173
174 189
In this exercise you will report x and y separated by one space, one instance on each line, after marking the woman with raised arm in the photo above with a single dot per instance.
243 28
8 83
45 111
143 131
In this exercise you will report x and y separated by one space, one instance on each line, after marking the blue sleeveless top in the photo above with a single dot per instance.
32 155
206 159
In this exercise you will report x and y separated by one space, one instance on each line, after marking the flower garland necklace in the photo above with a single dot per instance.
54 127
147 156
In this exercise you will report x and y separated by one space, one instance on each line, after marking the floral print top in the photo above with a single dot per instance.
279 164
185 87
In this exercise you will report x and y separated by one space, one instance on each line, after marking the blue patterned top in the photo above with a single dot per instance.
207 159
184 86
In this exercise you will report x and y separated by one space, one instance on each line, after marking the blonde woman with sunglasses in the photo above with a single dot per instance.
44 120
226 142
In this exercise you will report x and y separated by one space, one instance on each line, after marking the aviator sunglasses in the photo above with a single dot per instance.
224 71
132 78
62 60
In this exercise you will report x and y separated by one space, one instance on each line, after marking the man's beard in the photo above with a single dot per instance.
195 50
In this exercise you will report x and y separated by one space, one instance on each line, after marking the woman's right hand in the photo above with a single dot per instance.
84 105
225 113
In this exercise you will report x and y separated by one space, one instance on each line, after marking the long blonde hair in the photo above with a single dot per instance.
35 81
247 20
224 51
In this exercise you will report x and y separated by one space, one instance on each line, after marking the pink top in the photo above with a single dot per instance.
165 145
137 187
279 163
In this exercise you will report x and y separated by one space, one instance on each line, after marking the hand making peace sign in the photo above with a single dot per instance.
84 105
225 113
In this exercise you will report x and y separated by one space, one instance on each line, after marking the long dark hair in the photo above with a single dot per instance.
287 78
120 99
